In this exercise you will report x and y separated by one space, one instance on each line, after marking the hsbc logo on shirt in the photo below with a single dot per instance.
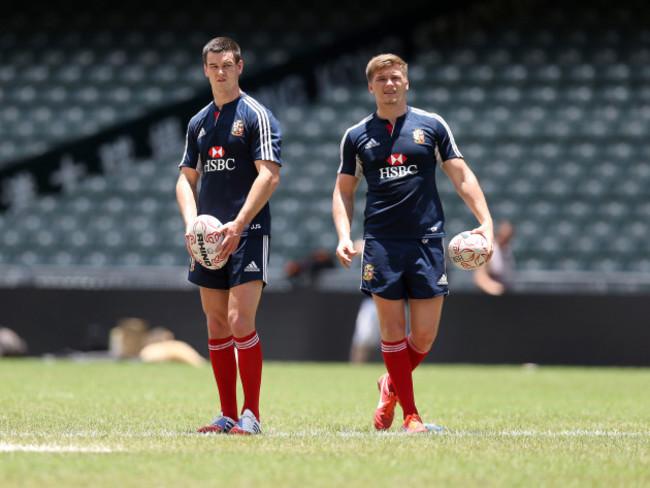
216 152
220 162
396 159
397 168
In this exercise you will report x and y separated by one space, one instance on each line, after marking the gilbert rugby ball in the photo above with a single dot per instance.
205 237
468 251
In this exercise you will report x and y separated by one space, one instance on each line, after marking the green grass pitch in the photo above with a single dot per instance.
129 424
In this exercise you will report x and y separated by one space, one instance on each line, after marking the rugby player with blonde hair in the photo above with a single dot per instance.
397 149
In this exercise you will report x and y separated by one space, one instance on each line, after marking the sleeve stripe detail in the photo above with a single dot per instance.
444 124
341 148
359 171
187 136
266 146
190 127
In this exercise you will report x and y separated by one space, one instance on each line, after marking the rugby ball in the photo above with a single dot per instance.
468 251
205 237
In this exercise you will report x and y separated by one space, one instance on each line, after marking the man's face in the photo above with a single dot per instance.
389 86
222 71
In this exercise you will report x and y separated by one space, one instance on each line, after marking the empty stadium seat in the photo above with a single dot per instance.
551 113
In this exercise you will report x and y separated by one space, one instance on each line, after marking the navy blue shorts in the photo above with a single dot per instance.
404 268
248 263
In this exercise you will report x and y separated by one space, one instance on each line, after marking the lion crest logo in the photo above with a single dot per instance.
418 136
237 128
368 271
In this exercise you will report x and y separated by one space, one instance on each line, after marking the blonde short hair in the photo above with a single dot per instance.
382 61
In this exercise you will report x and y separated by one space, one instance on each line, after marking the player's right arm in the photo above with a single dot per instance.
190 173
343 211
186 196
349 175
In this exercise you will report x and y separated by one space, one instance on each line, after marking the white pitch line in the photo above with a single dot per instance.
466 433
54 448
477 434
563 433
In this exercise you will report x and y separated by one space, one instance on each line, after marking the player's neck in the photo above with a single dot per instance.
391 112
222 98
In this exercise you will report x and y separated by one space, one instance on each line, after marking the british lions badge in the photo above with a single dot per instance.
368 271
237 128
418 136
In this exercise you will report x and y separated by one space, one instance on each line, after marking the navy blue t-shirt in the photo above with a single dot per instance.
399 164
223 146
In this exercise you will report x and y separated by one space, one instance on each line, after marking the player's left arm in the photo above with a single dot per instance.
267 180
467 186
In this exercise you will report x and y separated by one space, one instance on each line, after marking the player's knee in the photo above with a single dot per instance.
392 331
423 341
217 326
240 325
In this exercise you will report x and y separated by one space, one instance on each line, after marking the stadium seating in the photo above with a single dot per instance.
552 112
69 73
556 134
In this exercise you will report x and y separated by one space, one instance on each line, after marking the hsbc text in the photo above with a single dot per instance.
397 171
219 165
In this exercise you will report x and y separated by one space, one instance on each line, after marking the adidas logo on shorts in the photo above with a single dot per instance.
252 267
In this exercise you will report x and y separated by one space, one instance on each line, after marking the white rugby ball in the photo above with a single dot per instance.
468 251
205 237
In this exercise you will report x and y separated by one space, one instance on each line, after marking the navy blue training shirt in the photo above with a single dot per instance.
399 164
223 146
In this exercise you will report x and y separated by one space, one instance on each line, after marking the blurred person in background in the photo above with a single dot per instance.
397 149
496 277
305 271
367 336
233 147
11 344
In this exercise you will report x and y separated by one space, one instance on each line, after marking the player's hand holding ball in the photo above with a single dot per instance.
468 250
204 236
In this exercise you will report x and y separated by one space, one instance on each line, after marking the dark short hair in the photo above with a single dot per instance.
221 44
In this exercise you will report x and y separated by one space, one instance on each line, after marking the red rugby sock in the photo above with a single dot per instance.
224 367
398 364
416 355
249 350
